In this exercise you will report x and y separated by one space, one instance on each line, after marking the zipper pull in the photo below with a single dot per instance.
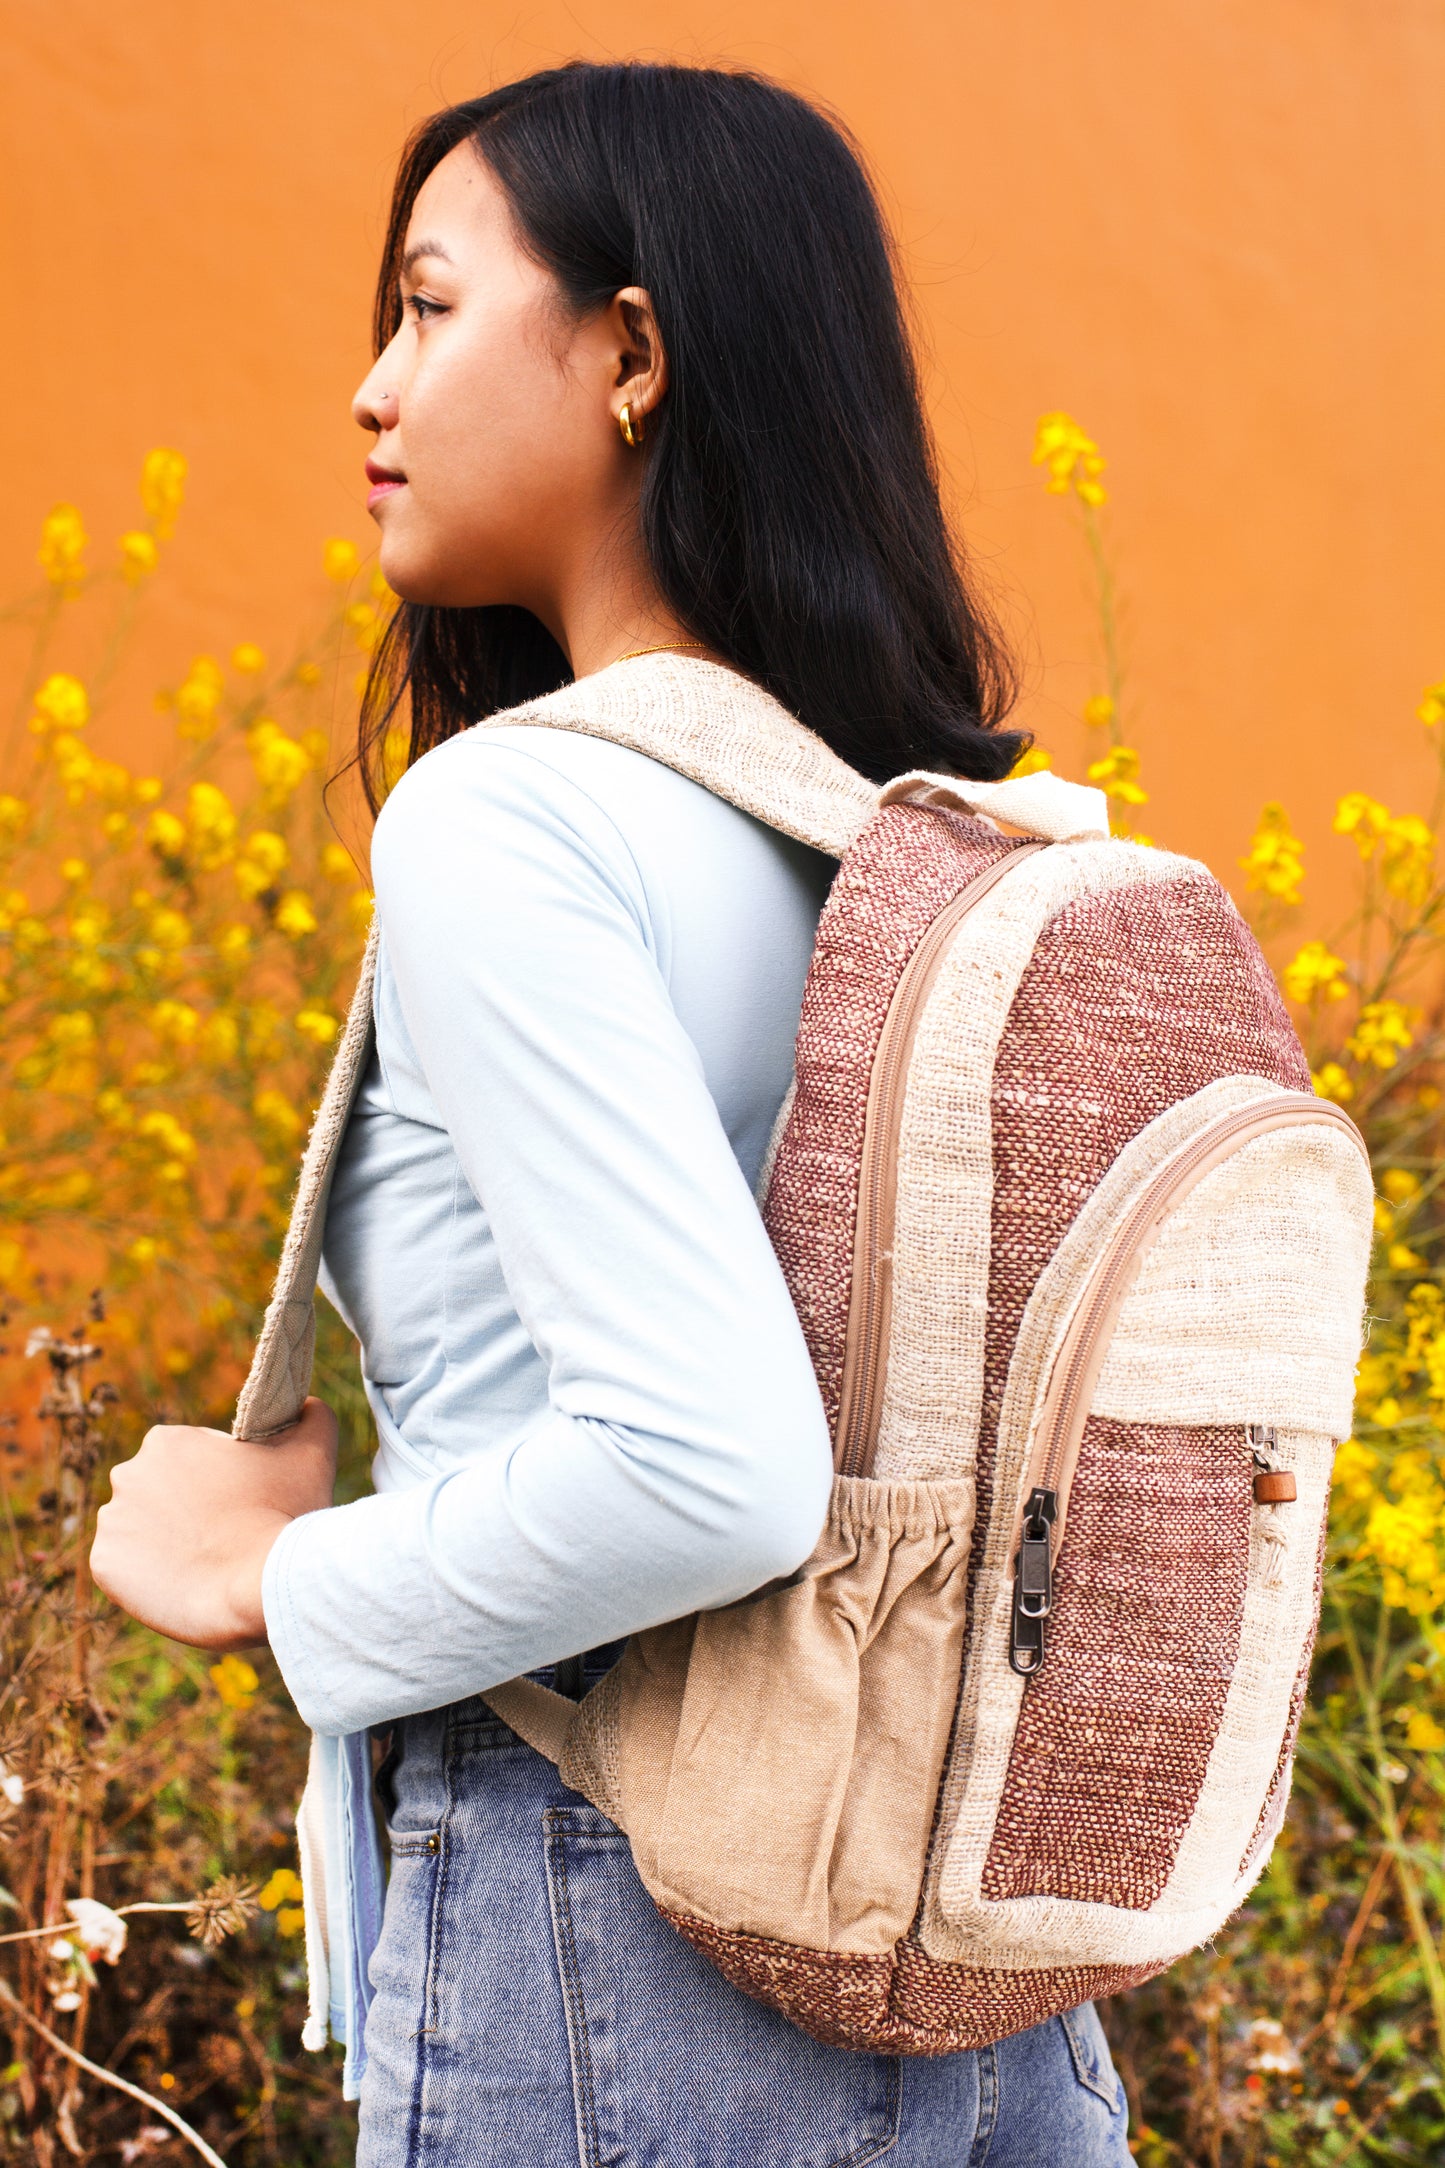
1033 1583
1273 1485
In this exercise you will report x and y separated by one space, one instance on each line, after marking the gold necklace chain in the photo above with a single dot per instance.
664 647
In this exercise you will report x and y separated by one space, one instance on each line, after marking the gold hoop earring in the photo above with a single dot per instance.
631 436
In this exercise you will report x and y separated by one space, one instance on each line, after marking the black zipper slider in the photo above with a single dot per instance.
1033 1582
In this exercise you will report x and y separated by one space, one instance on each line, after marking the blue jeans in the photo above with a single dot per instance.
533 2011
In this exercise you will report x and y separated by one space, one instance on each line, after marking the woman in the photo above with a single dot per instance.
647 430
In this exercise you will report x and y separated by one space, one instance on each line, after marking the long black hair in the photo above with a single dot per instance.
790 510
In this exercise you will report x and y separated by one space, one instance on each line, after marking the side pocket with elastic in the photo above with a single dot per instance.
780 1758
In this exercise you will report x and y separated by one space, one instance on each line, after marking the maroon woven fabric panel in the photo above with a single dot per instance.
908 2004
1134 1000
905 867
1115 1733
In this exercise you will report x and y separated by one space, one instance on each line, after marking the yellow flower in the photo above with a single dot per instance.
340 560
72 1030
1116 774
175 1021
220 1039
138 555
61 704
1315 974
143 1251
279 762
337 866
1332 1082
170 930
235 1681
364 620
395 753
1422 1731
1401 1258
167 838
162 487
74 871
14 813
147 789
233 944
1407 858
1362 817
291 1921
62 547
294 916
198 699
1099 711
1355 1465
358 911
248 659
1275 863
167 1134
1432 704
263 856
274 1111
283 1888
1033 762
212 825
318 1025
1382 1034
1071 458
1399 1185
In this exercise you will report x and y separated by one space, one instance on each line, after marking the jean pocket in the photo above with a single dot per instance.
672 2067
408 1929
1089 2050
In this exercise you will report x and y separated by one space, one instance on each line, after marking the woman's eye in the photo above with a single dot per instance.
421 308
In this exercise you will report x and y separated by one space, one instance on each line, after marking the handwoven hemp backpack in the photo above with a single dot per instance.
1080 1261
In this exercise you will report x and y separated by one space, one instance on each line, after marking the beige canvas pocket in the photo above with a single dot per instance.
776 1763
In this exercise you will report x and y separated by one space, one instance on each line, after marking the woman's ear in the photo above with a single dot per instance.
641 378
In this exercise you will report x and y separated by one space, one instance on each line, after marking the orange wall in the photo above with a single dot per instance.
1212 229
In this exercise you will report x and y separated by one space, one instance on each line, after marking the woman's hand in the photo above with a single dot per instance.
190 1521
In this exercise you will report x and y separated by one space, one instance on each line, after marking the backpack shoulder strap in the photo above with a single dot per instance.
718 728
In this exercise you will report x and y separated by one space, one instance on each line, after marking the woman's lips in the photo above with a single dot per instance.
384 483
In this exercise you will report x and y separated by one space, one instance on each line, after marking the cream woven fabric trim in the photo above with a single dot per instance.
933 1397
280 1374
958 1923
718 728
1281 1331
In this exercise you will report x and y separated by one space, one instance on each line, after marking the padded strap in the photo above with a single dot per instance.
280 1374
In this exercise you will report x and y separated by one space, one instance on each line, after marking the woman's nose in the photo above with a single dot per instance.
375 405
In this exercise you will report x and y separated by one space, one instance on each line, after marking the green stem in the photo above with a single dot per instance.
1389 1824
1108 620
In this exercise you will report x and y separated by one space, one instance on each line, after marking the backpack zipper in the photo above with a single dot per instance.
1065 1407
870 1303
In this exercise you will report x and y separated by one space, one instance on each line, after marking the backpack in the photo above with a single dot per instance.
1080 1261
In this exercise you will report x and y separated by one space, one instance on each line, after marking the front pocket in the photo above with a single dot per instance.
781 1757
1175 1613
672 2067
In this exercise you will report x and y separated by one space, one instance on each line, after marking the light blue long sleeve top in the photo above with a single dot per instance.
594 1403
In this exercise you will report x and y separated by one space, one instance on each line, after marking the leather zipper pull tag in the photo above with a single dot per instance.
1273 1485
